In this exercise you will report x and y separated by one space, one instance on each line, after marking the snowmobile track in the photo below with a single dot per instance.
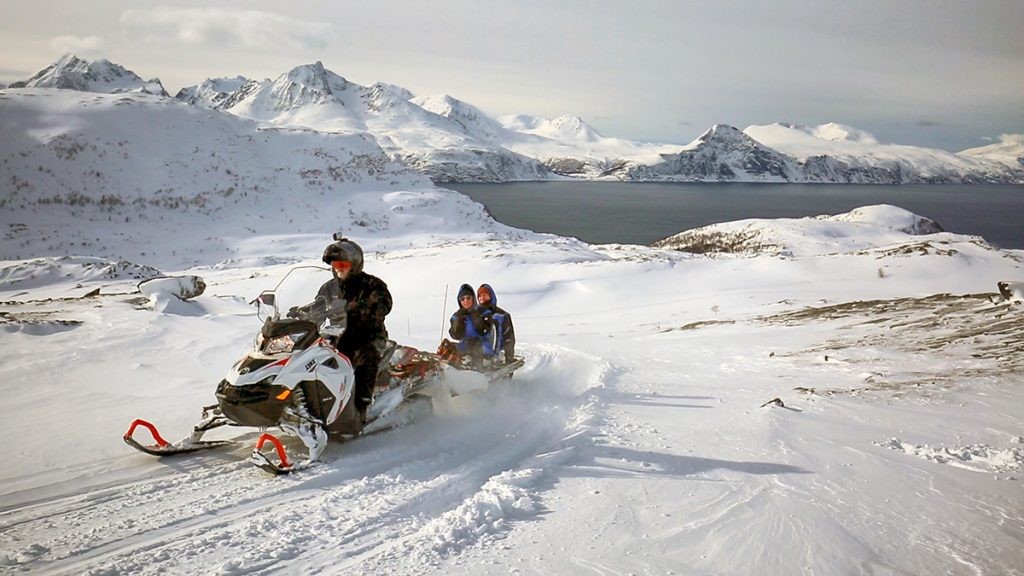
377 503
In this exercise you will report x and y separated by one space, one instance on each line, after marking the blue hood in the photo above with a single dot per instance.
489 290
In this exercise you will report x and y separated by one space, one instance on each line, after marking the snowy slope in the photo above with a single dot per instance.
638 438
846 402
119 161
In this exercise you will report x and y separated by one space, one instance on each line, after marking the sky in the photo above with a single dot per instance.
944 74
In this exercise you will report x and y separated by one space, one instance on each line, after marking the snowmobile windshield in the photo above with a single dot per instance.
294 316
294 295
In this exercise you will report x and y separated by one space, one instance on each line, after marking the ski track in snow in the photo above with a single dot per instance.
398 501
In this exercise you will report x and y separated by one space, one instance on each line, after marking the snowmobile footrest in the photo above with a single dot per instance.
163 447
261 460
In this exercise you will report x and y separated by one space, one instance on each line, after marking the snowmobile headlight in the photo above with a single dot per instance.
282 344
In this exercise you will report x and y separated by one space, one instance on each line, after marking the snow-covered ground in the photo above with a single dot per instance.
835 396
639 437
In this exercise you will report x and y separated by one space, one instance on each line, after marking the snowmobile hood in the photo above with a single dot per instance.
490 291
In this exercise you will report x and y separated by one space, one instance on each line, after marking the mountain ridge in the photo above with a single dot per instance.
450 140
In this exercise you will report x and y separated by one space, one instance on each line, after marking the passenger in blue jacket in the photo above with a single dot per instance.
500 341
468 325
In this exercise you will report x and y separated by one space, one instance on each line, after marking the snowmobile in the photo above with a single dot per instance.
294 379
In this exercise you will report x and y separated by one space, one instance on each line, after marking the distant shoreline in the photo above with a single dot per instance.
603 212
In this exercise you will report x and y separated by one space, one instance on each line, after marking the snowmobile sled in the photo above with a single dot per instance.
294 380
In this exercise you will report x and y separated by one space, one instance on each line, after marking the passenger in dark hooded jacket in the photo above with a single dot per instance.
468 326
501 340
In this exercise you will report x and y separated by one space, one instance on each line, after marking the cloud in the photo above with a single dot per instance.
928 123
226 28
85 46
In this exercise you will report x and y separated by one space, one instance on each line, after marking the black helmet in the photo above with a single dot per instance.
346 251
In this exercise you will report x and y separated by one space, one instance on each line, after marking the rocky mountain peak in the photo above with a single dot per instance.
315 77
723 133
70 72
212 92
574 126
469 118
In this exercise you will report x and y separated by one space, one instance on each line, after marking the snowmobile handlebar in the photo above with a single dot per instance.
321 310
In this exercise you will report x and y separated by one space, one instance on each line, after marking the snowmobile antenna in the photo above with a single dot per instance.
444 309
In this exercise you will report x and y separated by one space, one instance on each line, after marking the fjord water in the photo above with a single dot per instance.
640 213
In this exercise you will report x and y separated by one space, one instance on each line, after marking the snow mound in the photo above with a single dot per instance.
485 516
862 228
888 216
976 457
40 272
180 287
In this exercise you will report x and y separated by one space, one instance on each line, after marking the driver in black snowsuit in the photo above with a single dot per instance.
368 301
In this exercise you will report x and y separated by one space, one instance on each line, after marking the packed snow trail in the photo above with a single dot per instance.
414 494
689 474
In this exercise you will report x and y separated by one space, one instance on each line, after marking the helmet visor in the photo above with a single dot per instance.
341 266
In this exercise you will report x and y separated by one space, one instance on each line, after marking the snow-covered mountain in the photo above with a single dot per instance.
471 119
829 153
73 73
567 146
212 92
565 127
450 140
833 152
118 162
313 97
721 153
1009 151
